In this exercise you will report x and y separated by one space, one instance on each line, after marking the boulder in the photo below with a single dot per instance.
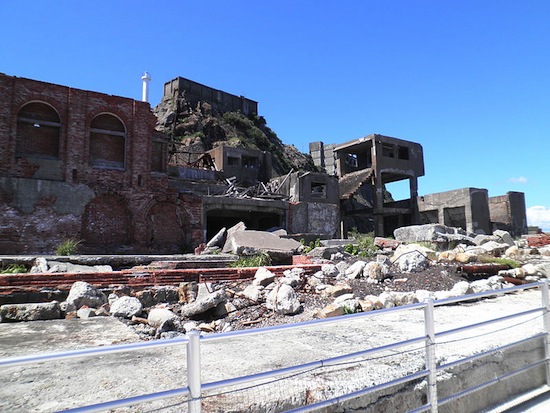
126 307
283 300
494 248
331 310
461 288
40 266
60 267
158 294
330 270
187 292
86 312
504 237
82 293
412 258
344 297
30 312
263 277
423 295
337 290
324 252
404 298
253 292
513 252
203 304
160 316
355 270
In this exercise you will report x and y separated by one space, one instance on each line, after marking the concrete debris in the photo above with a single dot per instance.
30 312
158 294
86 312
263 277
434 233
283 300
218 239
126 307
247 242
355 270
159 317
337 288
83 294
412 257
41 265
203 304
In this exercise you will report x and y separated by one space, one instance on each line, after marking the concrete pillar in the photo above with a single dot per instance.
413 186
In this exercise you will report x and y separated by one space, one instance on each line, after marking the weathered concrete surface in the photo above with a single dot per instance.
59 385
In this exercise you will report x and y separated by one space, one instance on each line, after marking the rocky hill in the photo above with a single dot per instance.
195 130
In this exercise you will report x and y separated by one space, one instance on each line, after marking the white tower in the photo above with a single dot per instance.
145 89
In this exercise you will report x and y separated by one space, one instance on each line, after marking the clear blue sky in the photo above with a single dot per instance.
469 80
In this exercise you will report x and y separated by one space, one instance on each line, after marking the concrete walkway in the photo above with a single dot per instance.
48 387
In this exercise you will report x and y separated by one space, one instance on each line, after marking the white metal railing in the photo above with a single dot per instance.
195 391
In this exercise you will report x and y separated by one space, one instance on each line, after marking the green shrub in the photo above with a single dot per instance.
352 249
258 260
487 259
68 247
13 269
311 245
364 244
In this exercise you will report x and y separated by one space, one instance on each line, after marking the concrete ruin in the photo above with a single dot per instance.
90 166
364 166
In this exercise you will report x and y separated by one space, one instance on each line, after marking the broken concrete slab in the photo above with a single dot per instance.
218 239
261 241
435 233
30 312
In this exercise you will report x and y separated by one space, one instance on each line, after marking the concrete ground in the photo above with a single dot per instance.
48 387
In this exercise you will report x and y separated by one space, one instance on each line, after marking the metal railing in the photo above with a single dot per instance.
196 392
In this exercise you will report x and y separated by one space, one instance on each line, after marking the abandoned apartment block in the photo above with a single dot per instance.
91 166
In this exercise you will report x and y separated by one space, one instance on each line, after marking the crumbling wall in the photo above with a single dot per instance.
508 212
467 208
70 188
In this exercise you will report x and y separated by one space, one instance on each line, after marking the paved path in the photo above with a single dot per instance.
48 387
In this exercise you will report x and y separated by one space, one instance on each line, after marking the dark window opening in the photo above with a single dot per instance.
388 151
403 152
351 160
38 131
318 190
107 142
455 217
233 161
250 162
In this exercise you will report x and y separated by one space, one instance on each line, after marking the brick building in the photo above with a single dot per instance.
89 166
86 165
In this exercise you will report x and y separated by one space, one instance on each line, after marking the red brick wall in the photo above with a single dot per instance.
118 217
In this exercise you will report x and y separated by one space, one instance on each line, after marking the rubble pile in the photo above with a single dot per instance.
401 273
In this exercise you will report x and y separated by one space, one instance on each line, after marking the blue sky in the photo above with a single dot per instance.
469 80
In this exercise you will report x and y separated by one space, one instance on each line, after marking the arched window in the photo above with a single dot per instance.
38 130
107 142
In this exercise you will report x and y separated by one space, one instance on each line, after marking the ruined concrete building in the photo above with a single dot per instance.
366 165
91 166
194 93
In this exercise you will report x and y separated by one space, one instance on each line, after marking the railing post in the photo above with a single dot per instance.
546 320
431 365
194 371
